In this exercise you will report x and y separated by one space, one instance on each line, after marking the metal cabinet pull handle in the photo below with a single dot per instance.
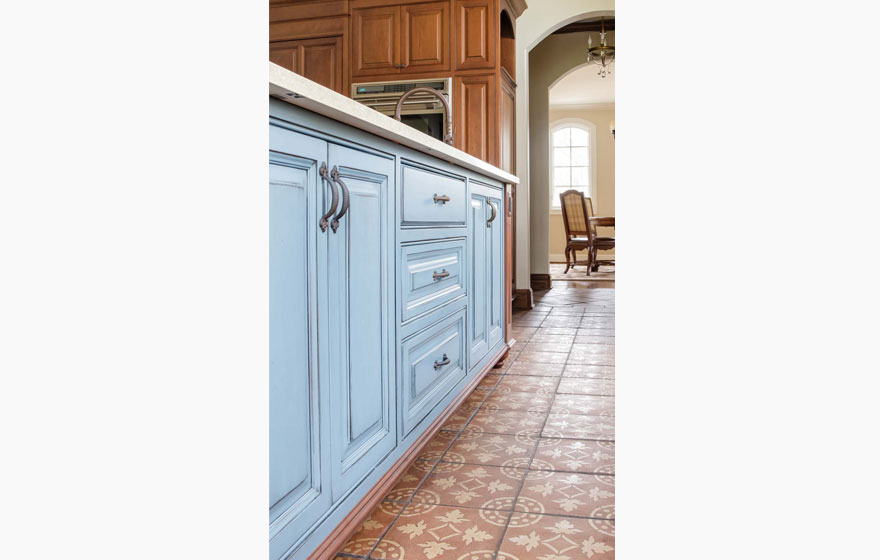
325 177
444 362
441 275
334 175
494 213
441 198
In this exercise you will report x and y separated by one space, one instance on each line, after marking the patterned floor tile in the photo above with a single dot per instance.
590 358
593 339
558 347
530 401
527 383
545 331
553 338
408 482
512 422
457 421
542 357
371 530
586 370
565 493
554 538
441 532
479 486
584 386
576 426
536 369
575 455
488 383
492 449
590 405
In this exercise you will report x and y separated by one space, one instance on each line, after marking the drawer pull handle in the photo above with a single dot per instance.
325 177
494 213
441 275
444 362
441 198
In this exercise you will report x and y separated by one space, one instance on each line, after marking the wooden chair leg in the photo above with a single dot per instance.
589 260
567 260
595 259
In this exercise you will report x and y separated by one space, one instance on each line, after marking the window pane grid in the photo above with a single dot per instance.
571 162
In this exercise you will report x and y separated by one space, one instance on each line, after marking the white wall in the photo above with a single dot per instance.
539 20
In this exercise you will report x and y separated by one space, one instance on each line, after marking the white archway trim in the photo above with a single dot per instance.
590 127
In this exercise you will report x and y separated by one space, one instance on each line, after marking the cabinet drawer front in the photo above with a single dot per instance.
432 274
433 362
431 198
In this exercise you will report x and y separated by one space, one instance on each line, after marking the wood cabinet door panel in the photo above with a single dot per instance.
361 298
319 60
475 34
474 116
375 40
425 37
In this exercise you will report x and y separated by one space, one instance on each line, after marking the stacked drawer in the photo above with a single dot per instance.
432 292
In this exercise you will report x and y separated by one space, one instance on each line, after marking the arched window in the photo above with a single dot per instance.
572 160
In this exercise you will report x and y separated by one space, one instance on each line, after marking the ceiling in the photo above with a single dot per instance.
583 86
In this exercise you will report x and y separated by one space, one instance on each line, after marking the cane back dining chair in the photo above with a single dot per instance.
580 234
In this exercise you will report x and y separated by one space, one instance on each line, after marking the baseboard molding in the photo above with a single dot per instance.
348 526
540 282
522 299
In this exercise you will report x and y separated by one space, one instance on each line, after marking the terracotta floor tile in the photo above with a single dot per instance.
584 386
558 347
435 448
476 486
552 538
408 482
488 383
553 338
457 421
587 370
474 401
514 422
590 358
590 405
529 384
445 533
575 455
545 331
492 449
542 357
565 493
593 339
576 426
371 530
536 369
528 401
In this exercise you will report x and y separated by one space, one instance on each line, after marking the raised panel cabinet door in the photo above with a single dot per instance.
495 269
478 328
361 300
474 115
474 34
425 37
299 475
375 41
319 60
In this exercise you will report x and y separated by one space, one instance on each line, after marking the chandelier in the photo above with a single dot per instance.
601 55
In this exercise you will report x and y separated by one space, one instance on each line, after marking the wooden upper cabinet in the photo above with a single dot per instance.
475 34
474 116
319 60
425 37
375 40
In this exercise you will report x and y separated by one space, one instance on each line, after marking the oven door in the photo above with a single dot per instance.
429 123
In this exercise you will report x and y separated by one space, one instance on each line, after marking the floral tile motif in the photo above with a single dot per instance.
434 449
536 369
580 357
488 383
518 401
565 493
542 357
553 338
442 532
590 405
479 486
492 449
576 455
508 422
557 330
576 426
457 421
408 482
473 402
370 531
557 347
589 371
556 538
603 349
545 386
582 386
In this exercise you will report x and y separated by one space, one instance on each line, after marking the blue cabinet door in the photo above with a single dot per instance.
299 473
486 232
361 305
478 329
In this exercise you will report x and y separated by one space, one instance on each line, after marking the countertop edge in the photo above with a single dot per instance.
297 90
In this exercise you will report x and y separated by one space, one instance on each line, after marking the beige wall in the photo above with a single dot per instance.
603 202
551 59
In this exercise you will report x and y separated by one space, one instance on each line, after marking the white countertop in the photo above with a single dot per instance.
296 90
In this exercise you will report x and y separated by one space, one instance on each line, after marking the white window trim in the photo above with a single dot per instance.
591 129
